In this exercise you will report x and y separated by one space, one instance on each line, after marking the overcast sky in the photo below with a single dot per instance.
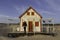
14 8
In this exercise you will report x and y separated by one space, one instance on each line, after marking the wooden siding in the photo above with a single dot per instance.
35 18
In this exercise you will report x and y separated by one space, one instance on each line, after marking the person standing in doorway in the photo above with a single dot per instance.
24 24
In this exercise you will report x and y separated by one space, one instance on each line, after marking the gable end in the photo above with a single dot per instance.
27 11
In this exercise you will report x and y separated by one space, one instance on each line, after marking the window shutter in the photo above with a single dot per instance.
36 23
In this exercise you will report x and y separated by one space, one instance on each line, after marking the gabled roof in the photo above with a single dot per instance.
27 11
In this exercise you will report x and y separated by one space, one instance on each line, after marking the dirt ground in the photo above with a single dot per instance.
34 37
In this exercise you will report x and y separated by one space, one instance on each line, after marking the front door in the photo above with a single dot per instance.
30 26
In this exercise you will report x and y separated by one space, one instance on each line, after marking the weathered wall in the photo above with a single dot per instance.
32 18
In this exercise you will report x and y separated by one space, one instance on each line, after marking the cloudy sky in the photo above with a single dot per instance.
14 8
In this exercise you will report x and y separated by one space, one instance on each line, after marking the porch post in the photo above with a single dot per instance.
34 26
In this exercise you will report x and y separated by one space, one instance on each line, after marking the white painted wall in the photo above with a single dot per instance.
30 18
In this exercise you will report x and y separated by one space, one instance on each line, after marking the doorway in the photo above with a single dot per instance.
30 23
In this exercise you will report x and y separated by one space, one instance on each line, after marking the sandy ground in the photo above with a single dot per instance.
34 37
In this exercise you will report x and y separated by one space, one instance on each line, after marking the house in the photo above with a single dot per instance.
33 20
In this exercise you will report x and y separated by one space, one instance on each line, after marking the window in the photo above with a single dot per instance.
32 13
24 24
36 23
28 13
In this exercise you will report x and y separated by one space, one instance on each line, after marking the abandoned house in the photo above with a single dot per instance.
33 20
